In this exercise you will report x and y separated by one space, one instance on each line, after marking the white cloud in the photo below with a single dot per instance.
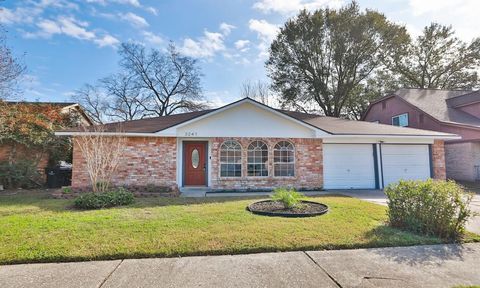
204 47
49 27
74 28
242 45
420 7
152 10
153 38
19 15
134 20
266 32
226 28
107 40
207 45
287 7
461 14
71 27
134 3
65 25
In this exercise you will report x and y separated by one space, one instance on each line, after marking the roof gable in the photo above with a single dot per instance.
434 102
245 118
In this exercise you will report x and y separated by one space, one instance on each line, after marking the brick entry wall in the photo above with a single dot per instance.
147 161
438 155
308 166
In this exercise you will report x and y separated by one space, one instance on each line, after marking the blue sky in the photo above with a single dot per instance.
69 43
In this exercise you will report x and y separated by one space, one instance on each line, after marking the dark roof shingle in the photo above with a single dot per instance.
330 125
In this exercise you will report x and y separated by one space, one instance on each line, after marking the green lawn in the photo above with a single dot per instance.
37 229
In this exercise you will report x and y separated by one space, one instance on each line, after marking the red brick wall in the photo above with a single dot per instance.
438 154
146 161
23 152
308 166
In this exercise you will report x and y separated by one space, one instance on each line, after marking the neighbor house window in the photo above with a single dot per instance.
284 159
257 159
230 159
400 120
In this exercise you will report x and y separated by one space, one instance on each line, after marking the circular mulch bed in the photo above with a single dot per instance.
276 208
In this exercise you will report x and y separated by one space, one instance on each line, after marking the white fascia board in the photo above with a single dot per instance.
318 131
436 137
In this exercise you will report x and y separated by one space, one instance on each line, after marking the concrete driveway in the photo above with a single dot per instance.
378 197
416 266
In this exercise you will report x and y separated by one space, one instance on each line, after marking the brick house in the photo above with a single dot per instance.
8 152
247 145
449 111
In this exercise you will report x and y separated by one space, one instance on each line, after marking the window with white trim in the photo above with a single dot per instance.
230 159
284 159
400 120
257 160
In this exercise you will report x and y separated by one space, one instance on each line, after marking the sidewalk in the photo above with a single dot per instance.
418 266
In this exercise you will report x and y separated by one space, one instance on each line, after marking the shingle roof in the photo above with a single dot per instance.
338 126
464 99
330 125
434 103
147 125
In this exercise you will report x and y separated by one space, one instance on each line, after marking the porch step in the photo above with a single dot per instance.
193 191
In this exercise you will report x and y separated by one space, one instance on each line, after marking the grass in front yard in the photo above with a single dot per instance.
36 229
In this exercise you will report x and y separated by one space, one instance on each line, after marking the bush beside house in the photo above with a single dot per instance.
119 197
430 207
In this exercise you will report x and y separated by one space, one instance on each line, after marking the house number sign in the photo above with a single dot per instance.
190 133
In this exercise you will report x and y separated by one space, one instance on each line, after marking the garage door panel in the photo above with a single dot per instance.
407 162
348 166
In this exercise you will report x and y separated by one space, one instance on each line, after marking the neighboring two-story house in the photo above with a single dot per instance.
451 111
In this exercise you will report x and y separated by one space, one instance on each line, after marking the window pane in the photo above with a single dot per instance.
284 158
231 159
403 120
195 158
257 158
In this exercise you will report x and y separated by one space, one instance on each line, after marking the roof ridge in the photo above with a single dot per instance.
436 89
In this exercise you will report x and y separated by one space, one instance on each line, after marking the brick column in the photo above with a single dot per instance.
438 159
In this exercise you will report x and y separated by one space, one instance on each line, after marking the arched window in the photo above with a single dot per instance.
257 159
230 159
284 159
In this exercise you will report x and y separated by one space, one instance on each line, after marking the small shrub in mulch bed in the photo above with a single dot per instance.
287 203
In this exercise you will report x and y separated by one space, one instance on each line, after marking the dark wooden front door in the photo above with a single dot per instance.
195 165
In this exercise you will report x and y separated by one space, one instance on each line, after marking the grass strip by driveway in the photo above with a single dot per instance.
36 229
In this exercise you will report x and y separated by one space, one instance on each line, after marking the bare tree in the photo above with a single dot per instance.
259 91
93 101
169 82
126 103
101 155
11 68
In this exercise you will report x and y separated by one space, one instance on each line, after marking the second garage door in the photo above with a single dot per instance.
410 162
348 166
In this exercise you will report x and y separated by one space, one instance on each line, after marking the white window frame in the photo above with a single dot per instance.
399 120
257 163
228 158
284 163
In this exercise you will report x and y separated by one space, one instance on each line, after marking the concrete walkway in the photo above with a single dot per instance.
378 197
418 266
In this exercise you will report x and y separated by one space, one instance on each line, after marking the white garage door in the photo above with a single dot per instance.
408 162
348 166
